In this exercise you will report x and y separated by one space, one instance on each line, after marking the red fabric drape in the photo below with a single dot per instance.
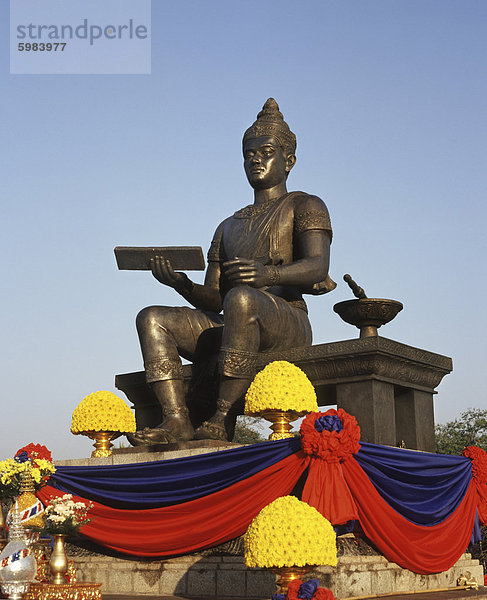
194 525
330 439
415 547
482 501
339 490
327 490
479 473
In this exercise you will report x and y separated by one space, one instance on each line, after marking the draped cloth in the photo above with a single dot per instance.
200 523
418 509
162 483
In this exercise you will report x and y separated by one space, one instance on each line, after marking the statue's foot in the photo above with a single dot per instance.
174 428
136 439
214 429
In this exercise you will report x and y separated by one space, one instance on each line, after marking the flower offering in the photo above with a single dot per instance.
280 386
309 590
65 516
33 459
333 436
289 532
102 411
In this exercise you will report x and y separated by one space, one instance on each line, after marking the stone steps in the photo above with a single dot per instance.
200 576
480 594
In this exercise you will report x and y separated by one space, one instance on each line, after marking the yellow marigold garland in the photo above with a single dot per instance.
102 411
280 386
289 532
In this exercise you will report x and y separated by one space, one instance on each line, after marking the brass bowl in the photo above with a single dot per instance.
103 442
281 422
368 314
287 574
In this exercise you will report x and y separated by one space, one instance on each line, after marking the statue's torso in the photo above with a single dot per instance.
261 232
266 233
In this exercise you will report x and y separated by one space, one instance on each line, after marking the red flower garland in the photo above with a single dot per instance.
320 593
293 589
331 446
36 451
330 439
324 594
479 462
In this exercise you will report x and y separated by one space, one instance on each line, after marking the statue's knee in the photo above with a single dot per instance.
152 317
243 300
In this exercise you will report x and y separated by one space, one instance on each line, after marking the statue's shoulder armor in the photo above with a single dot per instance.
310 212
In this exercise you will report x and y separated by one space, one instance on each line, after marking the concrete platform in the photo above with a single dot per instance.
480 594
130 455
206 576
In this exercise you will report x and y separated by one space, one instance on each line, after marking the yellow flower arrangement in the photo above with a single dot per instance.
11 469
280 386
102 411
287 533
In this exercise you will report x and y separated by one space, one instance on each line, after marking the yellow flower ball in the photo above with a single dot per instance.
280 386
289 532
102 411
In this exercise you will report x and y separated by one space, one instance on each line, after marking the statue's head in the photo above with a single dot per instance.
270 138
270 122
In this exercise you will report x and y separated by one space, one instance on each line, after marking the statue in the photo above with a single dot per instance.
261 260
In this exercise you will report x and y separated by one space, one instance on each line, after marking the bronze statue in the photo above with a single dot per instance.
261 260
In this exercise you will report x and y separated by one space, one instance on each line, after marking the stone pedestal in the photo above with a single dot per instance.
386 385
201 576
372 403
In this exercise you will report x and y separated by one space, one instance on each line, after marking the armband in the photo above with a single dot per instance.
274 275
312 219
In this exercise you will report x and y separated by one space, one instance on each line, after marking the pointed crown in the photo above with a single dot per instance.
271 122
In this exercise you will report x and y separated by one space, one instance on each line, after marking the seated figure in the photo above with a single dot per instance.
261 261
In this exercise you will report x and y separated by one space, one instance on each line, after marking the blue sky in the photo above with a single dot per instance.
388 102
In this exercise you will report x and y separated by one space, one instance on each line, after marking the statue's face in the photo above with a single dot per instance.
266 163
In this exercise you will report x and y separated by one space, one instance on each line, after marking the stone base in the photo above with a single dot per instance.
226 576
458 594
386 385
130 455
367 575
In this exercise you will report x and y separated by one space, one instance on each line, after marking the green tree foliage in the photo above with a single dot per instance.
247 431
468 430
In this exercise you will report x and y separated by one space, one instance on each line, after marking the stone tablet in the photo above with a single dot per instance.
183 258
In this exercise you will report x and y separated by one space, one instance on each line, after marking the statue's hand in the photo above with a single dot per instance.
164 273
242 271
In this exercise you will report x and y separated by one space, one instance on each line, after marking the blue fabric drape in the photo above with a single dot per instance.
476 533
424 488
161 483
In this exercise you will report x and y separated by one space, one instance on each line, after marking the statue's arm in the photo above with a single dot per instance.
313 260
204 297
